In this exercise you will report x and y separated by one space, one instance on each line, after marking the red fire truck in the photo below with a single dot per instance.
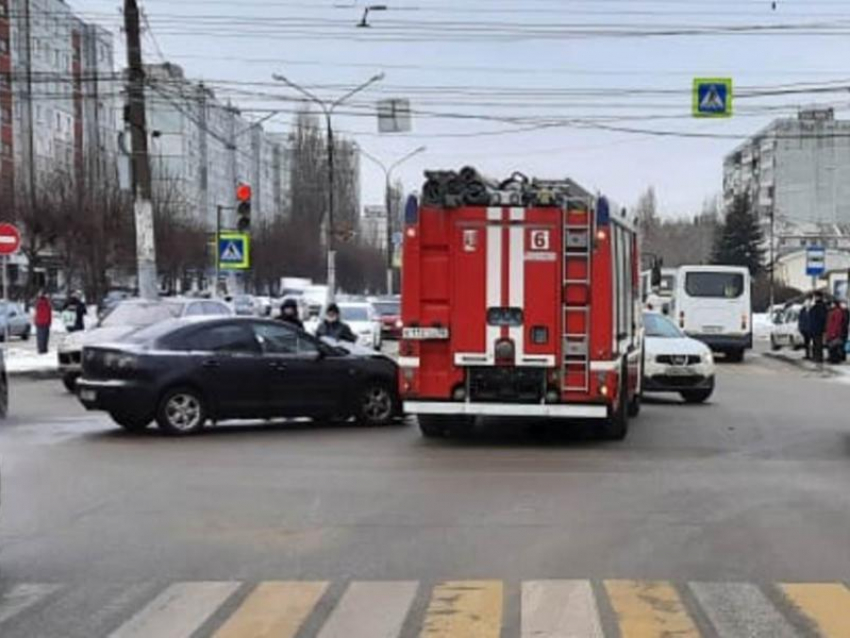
519 299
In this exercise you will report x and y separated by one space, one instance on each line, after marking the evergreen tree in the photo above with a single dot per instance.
739 240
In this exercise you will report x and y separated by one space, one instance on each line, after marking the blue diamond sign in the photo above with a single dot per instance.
234 251
712 97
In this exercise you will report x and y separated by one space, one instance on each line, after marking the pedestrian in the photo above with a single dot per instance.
804 328
845 330
834 333
334 327
74 313
43 319
817 326
289 313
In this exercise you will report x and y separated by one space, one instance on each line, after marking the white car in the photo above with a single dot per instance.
786 332
364 322
674 362
127 317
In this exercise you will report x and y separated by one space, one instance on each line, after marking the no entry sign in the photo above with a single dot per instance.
10 239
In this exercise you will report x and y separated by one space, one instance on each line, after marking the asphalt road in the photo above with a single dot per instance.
698 524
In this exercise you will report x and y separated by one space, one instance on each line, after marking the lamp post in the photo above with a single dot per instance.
388 175
328 109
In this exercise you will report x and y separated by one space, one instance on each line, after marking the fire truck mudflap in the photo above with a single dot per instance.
519 299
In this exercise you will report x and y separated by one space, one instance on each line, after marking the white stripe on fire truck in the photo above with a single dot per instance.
516 267
494 276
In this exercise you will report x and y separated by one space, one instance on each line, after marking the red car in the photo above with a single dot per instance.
390 312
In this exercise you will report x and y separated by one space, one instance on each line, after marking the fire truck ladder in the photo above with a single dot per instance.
578 251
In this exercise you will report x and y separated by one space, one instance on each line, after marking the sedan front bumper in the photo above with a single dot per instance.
677 383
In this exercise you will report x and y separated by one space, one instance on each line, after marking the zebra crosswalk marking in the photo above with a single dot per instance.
827 605
21 597
178 612
559 609
371 610
465 609
740 609
650 609
274 610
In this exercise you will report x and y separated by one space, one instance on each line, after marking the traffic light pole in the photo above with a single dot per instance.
218 211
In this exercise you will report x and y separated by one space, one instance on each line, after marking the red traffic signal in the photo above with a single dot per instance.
243 193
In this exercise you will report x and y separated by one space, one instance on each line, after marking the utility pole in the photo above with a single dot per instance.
388 176
328 108
141 170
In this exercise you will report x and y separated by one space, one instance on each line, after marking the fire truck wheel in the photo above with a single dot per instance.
432 427
617 425
634 405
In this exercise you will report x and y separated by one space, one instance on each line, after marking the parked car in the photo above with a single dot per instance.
389 311
364 322
785 332
244 306
15 318
184 372
125 318
112 298
674 362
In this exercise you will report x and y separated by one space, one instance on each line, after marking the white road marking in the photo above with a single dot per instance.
740 610
178 611
21 597
371 610
559 609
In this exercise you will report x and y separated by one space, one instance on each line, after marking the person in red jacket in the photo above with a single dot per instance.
43 319
835 332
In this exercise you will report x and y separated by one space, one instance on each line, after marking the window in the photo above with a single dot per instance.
722 285
194 310
510 317
660 326
214 308
227 338
281 339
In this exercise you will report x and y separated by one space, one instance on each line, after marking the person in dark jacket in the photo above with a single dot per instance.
845 329
805 330
289 313
817 326
334 327
76 305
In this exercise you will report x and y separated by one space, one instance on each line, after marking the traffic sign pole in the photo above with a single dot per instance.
6 301
10 243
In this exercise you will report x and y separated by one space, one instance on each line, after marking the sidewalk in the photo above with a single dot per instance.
839 372
22 358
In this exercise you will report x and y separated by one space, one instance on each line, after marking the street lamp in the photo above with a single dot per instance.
388 174
328 108
372 7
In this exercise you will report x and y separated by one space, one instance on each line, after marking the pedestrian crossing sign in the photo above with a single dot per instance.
712 97
234 251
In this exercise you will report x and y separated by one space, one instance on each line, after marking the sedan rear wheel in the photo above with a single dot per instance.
377 405
181 412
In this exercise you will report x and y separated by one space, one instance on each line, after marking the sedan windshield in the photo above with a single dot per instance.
660 326
387 308
141 313
354 313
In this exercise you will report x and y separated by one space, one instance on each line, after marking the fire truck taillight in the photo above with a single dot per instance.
601 235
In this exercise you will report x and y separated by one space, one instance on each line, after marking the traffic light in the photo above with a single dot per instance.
243 209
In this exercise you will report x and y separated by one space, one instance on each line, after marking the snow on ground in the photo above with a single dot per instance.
22 356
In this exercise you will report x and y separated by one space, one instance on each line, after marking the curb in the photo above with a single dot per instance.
36 375
827 370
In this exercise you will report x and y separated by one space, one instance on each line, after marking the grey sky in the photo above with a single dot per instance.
450 68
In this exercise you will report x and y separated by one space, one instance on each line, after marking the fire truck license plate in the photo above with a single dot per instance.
422 334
